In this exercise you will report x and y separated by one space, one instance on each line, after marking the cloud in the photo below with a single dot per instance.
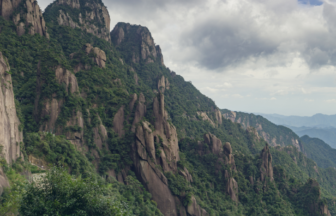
331 101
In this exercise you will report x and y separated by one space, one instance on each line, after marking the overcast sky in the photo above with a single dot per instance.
266 56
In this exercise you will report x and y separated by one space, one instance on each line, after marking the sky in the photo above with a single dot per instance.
260 56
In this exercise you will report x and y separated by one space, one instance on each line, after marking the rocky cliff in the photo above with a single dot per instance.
26 15
10 133
142 49
90 16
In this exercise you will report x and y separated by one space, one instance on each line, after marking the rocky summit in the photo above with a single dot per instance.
93 122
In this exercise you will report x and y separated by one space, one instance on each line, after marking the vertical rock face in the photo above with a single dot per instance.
154 147
118 122
10 135
266 169
163 84
229 158
214 143
30 17
143 46
140 111
232 189
218 115
96 19
230 115
194 209
99 57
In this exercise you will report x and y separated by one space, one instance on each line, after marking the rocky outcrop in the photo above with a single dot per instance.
232 189
266 168
64 76
148 171
99 57
185 173
218 116
10 134
205 117
140 111
118 122
230 115
194 209
30 17
214 143
143 46
229 158
156 151
163 84
96 19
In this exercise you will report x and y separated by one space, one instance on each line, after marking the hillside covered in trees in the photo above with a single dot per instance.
92 122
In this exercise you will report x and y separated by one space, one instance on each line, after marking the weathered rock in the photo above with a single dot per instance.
95 16
166 131
140 37
205 117
162 84
185 173
31 14
231 116
10 134
266 169
68 78
232 189
99 57
218 115
229 158
140 111
134 99
100 135
214 143
194 209
118 122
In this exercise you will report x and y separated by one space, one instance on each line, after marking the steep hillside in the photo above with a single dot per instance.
275 135
319 151
327 134
106 108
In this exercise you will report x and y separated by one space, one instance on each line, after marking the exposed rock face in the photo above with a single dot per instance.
30 17
10 135
144 48
150 175
140 111
229 159
194 209
64 76
99 57
118 122
231 115
214 143
163 84
218 115
185 173
266 169
205 117
96 19
232 189
147 160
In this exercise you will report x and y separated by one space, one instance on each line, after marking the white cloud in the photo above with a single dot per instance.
228 49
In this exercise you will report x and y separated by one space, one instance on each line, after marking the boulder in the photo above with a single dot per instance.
194 209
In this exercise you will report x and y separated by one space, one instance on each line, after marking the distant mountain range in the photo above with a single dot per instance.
318 126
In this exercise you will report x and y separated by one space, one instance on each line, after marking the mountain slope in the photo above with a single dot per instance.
111 110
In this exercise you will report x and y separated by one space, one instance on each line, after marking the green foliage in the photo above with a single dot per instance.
58 193
56 150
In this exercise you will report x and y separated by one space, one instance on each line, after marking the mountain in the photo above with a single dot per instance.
132 133
318 126
327 134
317 120
319 151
